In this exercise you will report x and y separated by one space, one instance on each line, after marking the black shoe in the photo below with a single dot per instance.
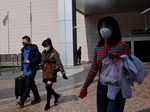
56 99
65 77
20 104
35 101
47 107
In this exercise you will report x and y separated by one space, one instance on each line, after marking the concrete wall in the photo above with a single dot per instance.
44 23
81 36
67 39
18 25
86 35
128 22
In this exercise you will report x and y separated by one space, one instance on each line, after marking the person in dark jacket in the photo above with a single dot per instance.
51 64
79 56
30 59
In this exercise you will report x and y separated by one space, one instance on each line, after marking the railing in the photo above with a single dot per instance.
10 59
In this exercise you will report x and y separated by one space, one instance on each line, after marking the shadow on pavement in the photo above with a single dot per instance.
66 99
75 81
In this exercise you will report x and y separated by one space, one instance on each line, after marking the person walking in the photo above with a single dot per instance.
110 42
30 58
79 55
51 64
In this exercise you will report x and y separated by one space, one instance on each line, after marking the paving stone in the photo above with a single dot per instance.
69 102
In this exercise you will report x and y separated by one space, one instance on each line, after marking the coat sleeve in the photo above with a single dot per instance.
93 71
126 48
58 61
122 48
37 56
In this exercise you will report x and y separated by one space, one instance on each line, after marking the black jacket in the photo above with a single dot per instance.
34 56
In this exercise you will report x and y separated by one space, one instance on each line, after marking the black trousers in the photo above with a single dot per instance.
106 105
50 92
79 59
30 85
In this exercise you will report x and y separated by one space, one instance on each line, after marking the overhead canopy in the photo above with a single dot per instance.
91 7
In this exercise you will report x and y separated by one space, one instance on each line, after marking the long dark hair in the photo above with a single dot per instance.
47 42
116 34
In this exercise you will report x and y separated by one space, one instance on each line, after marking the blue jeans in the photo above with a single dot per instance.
30 85
106 105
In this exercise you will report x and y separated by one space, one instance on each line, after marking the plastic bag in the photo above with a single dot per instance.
111 71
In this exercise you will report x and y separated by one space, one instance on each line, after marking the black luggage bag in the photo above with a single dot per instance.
19 86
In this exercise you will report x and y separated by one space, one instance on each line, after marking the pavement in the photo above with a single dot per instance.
69 89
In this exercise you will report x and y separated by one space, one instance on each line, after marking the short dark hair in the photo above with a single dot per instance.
116 34
47 42
26 38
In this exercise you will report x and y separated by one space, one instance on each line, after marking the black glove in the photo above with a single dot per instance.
65 77
55 71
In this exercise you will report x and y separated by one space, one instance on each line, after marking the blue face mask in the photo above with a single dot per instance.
47 49
25 44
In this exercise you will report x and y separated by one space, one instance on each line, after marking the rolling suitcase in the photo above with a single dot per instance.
19 86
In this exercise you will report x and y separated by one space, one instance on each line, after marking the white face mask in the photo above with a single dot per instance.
46 48
105 32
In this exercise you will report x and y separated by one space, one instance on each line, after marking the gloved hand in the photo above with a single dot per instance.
64 76
83 93
55 71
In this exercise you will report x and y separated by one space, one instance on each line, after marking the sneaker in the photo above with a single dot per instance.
47 107
18 100
35 101
20 104
28 99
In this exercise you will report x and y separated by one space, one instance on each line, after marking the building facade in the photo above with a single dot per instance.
55 19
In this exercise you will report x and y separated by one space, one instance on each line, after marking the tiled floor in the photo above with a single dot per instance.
69 91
